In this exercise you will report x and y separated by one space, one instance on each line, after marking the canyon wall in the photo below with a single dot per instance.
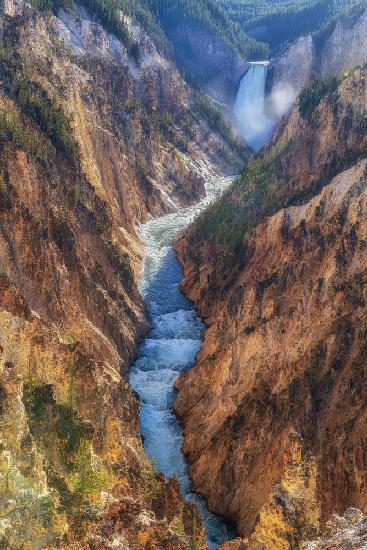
92 143
344 49
216 66
277 270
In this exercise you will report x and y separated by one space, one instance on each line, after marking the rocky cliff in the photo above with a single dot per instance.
275 402
217 66
344 49
92 143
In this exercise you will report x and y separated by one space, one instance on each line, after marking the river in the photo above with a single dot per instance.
170 348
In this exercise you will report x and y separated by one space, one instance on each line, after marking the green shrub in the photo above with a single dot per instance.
207 108
43 110
62 230
153 486
119 258
252 195
87 479
108 12
312 95
64 439
49 116
23 136
48 419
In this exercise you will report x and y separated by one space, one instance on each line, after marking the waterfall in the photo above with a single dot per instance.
249 109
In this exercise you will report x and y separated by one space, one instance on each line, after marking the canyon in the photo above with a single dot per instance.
230 413
344 49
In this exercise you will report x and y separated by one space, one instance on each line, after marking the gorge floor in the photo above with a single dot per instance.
169 348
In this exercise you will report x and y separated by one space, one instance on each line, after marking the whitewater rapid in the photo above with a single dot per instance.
170 348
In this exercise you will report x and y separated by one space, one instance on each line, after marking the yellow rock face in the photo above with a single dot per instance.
285 347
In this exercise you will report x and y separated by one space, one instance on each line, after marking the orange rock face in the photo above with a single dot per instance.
73 471
285 348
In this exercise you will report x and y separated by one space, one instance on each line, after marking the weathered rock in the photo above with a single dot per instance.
285 347
347 532
215 65
289 74
345 49
284 351
73 468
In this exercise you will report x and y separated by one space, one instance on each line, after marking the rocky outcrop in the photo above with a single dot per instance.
346 47
292 513
291 72
284 352
346 531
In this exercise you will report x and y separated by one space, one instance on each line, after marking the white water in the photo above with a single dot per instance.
170 348
258 114
249 108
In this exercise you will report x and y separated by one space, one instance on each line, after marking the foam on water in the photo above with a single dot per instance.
170 348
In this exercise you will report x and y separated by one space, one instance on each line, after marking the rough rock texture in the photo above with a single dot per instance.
346 532
346 48
294 68
91 144
285 348
308 151
293 512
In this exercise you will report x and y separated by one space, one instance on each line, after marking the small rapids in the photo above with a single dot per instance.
170 348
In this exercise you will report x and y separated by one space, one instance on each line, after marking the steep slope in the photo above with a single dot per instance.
210 48
277 269
92 141
341 47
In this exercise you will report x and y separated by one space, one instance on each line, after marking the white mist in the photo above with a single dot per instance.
256 114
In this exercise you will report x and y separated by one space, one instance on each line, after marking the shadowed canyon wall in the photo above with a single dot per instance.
344 49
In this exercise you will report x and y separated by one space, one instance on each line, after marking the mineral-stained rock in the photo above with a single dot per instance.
91 144
346 532
285 347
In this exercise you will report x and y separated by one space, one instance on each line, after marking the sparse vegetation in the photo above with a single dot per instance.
65 440
251 196
213 114
153 486
119 259
86 478
44 111
62 231
49 116
23 136
312 95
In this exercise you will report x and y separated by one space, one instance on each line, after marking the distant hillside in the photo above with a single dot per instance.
208 46
276 23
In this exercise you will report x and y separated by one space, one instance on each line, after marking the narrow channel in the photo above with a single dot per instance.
170 347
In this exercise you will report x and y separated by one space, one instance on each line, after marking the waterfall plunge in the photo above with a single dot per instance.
249 109
257 115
